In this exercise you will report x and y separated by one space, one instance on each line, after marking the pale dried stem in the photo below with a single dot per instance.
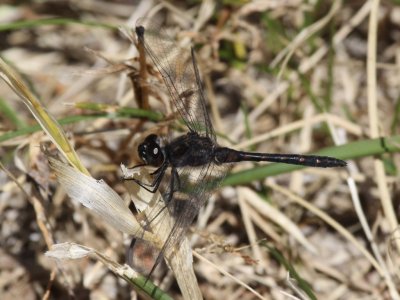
380 175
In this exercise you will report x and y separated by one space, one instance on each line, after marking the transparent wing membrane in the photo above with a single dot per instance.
178 67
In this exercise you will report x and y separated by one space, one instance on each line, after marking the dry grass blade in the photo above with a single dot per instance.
287 53
97 196
41 217
277 217
179 258
314 120
386 201
105 202
331 222
255 293
72 251
46 121
340 85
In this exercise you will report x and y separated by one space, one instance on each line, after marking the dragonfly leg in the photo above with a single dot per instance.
172 189
152 187
168 195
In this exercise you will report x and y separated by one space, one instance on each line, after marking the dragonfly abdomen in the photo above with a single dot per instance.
226 155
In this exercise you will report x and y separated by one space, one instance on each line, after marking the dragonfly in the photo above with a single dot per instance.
189 167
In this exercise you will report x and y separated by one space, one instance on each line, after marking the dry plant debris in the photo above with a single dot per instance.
280 76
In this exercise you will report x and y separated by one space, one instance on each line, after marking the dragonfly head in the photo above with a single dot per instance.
150 151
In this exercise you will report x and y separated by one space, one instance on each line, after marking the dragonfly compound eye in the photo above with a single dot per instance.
150 151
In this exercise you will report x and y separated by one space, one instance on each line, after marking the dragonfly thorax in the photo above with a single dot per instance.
190 150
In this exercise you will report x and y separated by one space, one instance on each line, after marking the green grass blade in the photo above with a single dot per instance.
396 117
11 114
124 112
304 285
147 288
35 128
121 111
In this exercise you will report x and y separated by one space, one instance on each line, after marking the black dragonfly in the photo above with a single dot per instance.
192 164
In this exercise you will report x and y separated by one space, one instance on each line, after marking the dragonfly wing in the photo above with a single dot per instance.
193 190
170 218
184 190
178 67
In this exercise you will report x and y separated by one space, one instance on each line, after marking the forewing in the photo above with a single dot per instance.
192 186
178 67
